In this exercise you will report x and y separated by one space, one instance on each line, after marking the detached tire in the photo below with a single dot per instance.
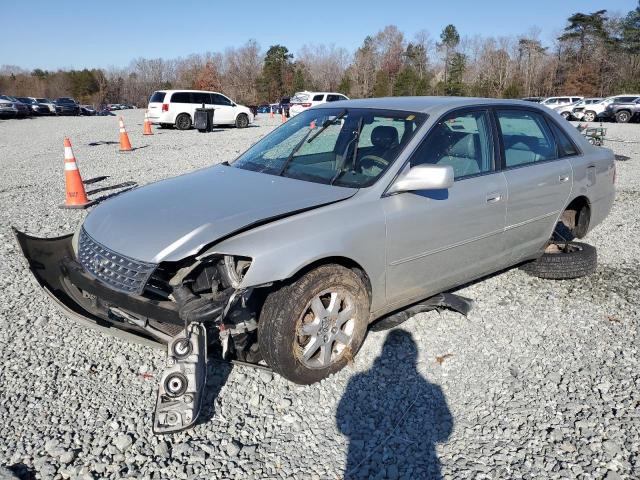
312 327
581 260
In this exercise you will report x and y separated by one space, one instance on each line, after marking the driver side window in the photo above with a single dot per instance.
463 141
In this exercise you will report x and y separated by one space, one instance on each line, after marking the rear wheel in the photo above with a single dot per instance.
312 327
589 116
563 261
623 116
242 121
183 121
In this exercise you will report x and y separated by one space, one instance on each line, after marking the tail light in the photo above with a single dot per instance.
165 107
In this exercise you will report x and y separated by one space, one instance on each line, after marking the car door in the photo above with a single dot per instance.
225 110
181 103
439 239
538 181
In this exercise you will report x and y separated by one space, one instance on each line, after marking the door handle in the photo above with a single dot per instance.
563 178
494 197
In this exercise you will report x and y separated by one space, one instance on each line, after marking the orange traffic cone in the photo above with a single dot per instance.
147 124
270 112
284 118
76 197
125 145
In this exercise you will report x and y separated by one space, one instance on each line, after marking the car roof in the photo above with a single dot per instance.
187 90
425 104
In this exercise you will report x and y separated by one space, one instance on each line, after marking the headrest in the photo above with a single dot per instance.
384 136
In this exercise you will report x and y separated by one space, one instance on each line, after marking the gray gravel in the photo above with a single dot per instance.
541 381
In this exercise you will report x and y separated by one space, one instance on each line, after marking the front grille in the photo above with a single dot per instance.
119 272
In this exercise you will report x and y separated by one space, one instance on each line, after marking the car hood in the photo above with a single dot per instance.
175 218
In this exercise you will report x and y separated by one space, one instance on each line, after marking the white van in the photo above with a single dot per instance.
303 100
555 102
177 107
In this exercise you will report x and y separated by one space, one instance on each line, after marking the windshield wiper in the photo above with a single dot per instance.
326 125
354 156
293 152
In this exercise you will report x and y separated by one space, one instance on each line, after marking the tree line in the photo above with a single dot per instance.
597 54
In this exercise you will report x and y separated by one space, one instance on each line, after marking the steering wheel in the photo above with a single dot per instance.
369 161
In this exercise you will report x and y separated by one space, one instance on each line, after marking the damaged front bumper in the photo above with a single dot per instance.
85 299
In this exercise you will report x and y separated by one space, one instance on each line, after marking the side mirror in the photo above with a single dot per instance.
424 177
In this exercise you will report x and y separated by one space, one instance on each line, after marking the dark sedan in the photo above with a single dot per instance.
36 107
67 106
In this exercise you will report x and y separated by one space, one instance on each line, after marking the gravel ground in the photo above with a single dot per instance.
540 381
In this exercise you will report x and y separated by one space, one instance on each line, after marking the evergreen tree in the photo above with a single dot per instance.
457 65
381 87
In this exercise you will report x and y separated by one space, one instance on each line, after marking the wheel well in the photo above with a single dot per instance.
577 215
345 262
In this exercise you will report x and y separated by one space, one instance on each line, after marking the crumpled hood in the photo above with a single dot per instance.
175 218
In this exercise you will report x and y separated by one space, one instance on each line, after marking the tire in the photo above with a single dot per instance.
183 121
242 121
565 115
580 261
287 313
623 116
589 116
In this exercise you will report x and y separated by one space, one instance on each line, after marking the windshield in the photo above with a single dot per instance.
347 147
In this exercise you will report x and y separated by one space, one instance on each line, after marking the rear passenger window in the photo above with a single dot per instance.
566 148
319 98
200 98
181 97
463 141
156 97
526 137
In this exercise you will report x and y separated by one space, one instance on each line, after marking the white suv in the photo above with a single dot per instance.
592 112
554 102
303 100
177 107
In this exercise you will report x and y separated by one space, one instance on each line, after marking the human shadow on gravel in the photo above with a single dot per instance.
394 417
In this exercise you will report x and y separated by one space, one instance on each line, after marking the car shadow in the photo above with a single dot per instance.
393 416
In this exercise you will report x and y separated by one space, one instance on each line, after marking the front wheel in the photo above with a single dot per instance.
313 326
623 116
183 122
242 121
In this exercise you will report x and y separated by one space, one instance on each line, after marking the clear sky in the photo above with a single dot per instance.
99 33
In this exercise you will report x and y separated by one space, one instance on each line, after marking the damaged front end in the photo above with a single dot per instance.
193 307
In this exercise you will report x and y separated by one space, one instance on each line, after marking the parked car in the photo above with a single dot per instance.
67 106
594 111
303 100
264 108
533 99
623 112
48 103
177 107
554 102
8 109
22 109
87 110
36 108
289 252
577 109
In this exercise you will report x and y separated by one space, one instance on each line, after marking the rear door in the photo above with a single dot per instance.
181 103
442 238
539 181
